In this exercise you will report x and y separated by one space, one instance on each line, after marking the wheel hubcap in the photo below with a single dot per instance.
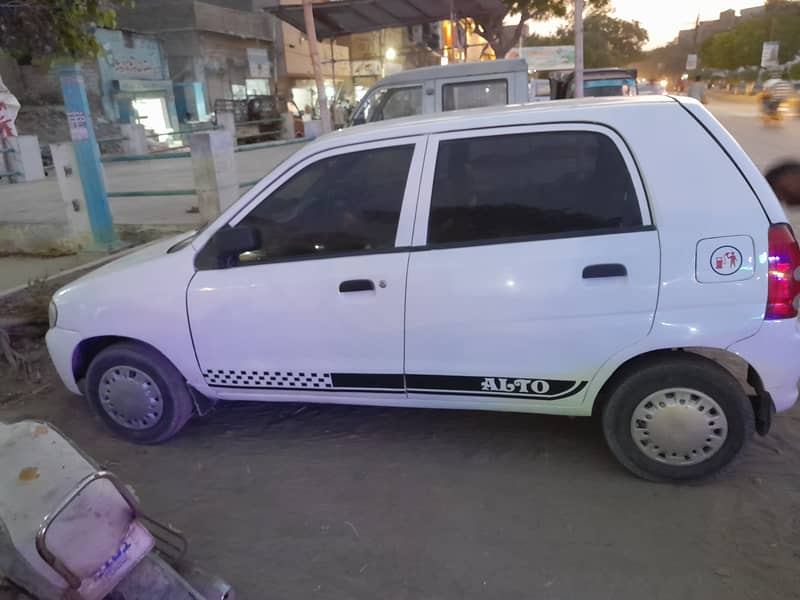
131 398
679 426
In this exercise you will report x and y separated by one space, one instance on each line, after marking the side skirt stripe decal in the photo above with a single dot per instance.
392 383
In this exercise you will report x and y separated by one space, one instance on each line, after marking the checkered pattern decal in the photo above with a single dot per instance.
268 379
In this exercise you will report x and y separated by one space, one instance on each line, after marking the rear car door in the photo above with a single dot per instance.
535 260
316 311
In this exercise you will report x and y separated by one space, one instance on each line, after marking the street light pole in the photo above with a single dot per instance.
313 48
579 48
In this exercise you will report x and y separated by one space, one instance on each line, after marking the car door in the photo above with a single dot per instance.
535 260
316 310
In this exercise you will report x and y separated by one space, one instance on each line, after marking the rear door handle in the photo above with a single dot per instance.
605 270
356 285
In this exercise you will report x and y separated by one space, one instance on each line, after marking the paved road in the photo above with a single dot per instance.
766 145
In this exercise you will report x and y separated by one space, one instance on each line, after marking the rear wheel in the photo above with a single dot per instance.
138 393
677 419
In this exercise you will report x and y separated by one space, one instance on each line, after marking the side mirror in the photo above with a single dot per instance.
232 241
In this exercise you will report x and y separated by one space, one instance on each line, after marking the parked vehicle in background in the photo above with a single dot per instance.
258 118
652 88
596 83
439 89
541 258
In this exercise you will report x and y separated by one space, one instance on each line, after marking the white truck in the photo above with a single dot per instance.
438 89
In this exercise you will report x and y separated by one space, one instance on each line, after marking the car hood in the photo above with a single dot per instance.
136 257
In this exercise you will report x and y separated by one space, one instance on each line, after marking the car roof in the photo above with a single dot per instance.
488 67
583 109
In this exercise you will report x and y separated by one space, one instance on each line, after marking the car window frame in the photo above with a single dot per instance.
408 208
420 239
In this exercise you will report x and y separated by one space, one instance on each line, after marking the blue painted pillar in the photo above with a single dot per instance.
88 155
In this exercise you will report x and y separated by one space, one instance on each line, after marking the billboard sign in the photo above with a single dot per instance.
545 58
691 62
769 55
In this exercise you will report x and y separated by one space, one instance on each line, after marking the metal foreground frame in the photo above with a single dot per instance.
59 567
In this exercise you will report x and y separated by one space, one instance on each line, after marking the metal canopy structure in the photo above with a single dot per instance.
343 17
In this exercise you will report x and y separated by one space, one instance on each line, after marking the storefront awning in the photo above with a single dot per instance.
343 17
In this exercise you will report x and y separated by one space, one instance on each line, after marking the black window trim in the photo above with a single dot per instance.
424 139
544 237
473 82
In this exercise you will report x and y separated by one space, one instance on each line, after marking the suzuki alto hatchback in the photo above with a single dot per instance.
544 258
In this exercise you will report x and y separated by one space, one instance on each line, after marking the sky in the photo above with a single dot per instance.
664 18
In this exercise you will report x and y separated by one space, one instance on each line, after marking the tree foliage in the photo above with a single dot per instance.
741 45
48 29
503 38
607 41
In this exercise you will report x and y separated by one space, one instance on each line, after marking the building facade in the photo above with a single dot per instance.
215 50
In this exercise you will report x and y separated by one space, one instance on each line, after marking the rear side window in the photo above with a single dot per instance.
473 94
530 184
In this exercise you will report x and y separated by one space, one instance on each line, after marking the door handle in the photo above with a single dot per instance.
356 285
605 270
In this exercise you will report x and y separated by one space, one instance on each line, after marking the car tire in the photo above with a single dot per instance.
681 418
138 393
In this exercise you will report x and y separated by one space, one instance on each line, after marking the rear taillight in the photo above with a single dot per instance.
784 260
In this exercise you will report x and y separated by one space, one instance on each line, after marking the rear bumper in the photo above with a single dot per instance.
61 344
774 352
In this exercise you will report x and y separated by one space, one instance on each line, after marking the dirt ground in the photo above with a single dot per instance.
294 501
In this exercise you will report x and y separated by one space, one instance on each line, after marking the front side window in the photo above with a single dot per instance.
389 103
342 204
530 184
474 94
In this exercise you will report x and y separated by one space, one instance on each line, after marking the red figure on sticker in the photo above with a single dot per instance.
720 262
731 256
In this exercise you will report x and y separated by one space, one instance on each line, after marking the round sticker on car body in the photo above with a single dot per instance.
726 260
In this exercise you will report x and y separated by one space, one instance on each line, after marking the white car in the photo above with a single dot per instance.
543 258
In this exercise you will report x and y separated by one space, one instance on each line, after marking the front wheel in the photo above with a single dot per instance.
138 393
679 418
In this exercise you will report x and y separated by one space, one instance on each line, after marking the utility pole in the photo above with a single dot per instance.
579 48
313 47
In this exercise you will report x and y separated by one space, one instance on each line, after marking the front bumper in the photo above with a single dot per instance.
61 344
774 352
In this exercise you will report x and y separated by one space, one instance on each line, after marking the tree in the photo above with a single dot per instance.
607 41
48 29
741 45
503 38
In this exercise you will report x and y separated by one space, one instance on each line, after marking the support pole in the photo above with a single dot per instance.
87 154
579 48
313 47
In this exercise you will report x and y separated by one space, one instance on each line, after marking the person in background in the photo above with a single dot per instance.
784 179
698 90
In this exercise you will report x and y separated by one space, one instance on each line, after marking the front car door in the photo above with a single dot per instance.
316 312
535 260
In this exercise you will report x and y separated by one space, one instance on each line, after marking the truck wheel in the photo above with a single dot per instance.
677 419
138 393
